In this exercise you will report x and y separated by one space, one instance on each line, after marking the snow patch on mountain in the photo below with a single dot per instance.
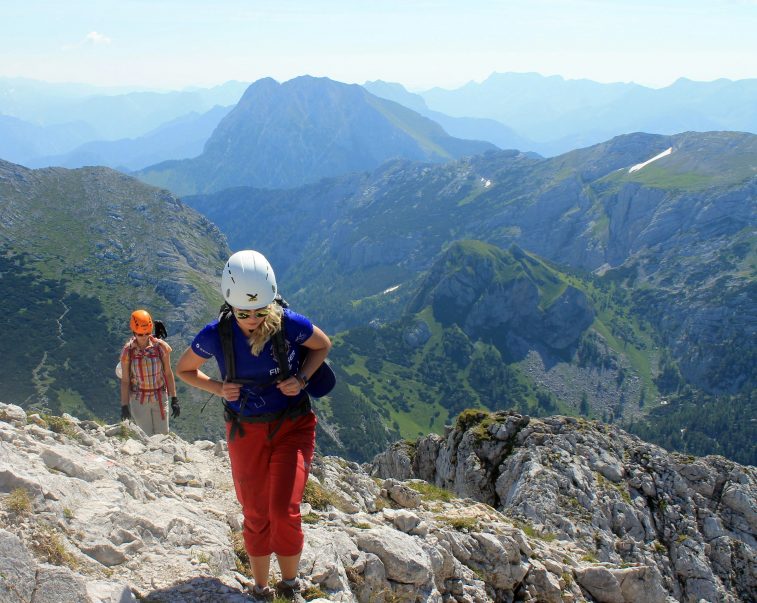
638 166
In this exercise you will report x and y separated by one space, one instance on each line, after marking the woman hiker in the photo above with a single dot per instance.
146 377
270 426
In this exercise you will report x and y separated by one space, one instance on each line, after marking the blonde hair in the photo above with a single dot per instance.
270 325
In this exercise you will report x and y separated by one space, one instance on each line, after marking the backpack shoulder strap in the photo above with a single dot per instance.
278 340
227 340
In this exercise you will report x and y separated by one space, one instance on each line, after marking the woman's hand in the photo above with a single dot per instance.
230 391
290 386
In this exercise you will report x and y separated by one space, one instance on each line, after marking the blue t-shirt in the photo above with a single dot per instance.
263 396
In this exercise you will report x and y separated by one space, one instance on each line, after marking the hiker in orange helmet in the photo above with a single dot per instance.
145 376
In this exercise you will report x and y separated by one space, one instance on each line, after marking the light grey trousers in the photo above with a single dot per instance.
147 415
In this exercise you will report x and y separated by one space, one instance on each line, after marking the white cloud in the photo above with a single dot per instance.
93 38
96 38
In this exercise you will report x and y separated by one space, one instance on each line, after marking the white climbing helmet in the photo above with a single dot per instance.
248 281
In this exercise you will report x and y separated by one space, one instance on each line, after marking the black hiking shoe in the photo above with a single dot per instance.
290 591
261 595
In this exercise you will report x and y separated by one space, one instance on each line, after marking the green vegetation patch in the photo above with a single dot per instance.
49 545
59 425
125 432
241 558
658 177
461 524
606 485
532 532
430 492
471 417
311 518
317 496
18 501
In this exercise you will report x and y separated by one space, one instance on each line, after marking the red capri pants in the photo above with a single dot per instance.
270 477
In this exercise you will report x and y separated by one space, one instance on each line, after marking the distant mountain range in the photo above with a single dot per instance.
286 135
70 125
21 141
111 114
528 112
180 138
475 128
560 115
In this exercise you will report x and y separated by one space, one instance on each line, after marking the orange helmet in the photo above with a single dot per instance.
141 322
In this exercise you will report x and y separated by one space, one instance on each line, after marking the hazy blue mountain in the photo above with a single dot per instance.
21 141
667 231
525 98
112 114
560 114
285 135
19 95
180 138
474 128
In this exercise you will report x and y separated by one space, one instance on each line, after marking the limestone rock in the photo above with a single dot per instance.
556 510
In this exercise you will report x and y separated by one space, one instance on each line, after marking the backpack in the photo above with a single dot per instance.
319 384
160 329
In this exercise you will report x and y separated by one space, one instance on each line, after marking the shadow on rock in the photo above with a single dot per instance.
197 590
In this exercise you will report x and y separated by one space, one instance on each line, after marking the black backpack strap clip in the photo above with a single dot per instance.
226 332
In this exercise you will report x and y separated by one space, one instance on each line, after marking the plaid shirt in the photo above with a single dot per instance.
145 370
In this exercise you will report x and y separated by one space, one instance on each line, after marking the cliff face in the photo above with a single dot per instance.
694 520
100 513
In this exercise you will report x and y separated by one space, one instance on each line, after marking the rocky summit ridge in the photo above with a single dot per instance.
504 507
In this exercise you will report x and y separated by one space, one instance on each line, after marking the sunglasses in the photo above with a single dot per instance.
260 313
139 334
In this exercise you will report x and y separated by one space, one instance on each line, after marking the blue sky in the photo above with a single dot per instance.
171 44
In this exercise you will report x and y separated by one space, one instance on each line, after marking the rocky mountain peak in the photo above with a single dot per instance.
303 130
102 513
622 500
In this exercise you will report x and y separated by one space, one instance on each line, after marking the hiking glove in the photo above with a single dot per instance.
175 408
125 412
